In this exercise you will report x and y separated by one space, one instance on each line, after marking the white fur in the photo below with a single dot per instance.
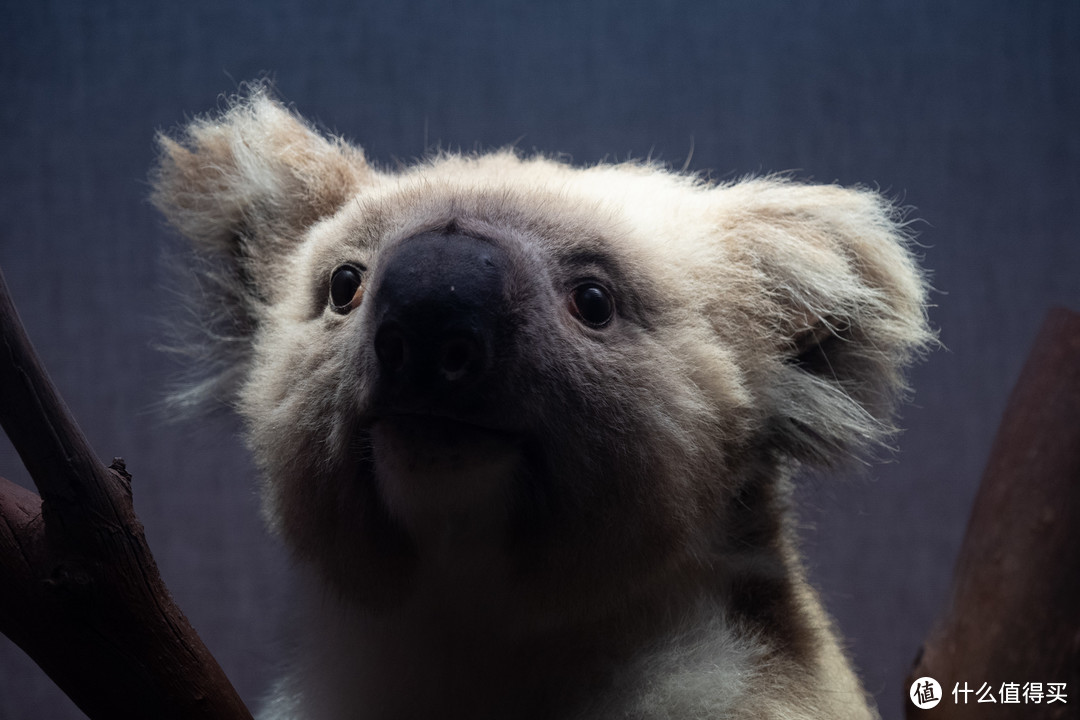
761 325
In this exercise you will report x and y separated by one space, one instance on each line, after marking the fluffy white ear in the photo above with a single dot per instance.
846 306
243 186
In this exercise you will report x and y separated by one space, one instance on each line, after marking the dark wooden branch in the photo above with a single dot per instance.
1014 610
79 589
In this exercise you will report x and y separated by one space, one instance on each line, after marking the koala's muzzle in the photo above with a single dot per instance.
440 311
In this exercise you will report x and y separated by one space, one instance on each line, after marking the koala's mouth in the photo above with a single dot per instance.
431 464
436 431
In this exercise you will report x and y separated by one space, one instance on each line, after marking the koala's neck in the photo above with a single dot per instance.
462 640
761 580
447 654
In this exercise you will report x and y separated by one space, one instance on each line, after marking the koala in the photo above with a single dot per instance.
529 429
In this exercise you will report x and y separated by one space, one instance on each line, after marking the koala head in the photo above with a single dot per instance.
586 377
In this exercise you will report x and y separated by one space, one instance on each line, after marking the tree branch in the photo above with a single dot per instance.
1014 611
79 589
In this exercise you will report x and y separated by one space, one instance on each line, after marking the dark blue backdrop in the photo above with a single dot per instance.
966 110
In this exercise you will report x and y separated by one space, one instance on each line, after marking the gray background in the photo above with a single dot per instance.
968 111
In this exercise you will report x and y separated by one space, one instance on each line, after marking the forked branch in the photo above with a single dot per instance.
79 589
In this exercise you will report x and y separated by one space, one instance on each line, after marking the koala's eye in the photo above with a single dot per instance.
592 304
346 292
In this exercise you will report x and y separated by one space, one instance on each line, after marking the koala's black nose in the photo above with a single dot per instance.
440 308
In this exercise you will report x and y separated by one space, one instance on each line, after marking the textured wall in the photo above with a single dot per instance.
965 110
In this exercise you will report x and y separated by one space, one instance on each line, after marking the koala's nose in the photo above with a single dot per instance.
439 307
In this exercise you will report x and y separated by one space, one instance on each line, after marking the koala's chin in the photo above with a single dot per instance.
430 470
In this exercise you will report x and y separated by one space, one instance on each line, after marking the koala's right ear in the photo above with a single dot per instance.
247 182
243 186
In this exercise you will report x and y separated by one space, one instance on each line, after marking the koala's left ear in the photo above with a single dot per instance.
844 306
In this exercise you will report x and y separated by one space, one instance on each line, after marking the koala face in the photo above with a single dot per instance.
478 378
584 382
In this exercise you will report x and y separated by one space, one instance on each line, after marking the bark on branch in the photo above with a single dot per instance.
1014 610
79 589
